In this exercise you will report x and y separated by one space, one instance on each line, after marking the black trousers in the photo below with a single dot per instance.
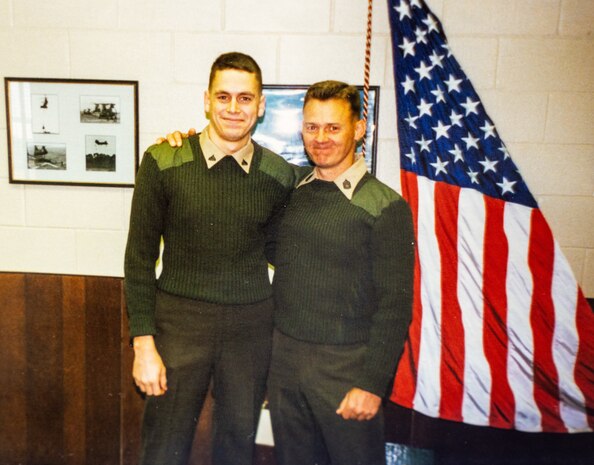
306 384
199 341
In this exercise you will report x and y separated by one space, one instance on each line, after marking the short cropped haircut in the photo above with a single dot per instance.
238 61
327 90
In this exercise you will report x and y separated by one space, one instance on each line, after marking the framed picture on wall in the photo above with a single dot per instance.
72 131
280 128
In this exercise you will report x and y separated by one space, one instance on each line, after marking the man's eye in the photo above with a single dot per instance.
333 129
245 99
223 98
311 128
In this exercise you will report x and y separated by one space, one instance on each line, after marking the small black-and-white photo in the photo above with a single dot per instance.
45 118
100 153
102 109
46 156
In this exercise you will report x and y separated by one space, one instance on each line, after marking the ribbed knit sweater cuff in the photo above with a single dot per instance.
142 326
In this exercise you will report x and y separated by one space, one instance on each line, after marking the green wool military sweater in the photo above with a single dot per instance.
344 272
213 224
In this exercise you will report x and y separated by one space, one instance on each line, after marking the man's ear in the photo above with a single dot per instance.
206 102
360 127
261 106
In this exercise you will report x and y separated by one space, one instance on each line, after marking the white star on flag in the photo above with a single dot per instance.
453 84
411 120
408 47
470 106
424 108
403 10
506 186
439 95
409 85
471 141
439 166
441 130
424 71
424 144
457 153
488 129
488 165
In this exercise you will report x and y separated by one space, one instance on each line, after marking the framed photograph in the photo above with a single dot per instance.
280 128
72 131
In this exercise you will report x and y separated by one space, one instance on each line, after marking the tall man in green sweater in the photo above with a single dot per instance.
343 252
209 314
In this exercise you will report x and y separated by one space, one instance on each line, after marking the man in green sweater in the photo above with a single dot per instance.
209 314
343 252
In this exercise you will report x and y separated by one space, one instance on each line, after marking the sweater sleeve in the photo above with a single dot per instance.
147 220
392 250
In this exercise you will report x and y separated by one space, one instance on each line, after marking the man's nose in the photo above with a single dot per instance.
321 135
233 107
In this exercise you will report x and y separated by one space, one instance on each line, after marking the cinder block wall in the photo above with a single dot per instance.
532 62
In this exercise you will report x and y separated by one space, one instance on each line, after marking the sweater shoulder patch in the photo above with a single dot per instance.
170 157
277 167
374 196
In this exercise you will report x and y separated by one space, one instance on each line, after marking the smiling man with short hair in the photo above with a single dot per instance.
209 315
343 252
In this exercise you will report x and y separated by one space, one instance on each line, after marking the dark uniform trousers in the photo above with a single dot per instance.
200 341
306 384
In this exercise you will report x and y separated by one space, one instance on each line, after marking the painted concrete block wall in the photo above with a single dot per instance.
532 62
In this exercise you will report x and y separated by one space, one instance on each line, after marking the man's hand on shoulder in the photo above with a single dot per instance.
359 405
176 138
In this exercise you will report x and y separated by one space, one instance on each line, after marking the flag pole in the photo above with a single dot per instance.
367 67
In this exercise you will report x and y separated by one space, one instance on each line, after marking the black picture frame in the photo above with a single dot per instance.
72 131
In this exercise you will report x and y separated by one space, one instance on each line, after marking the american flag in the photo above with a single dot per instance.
501 333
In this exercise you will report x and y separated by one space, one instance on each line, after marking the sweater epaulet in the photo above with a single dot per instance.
301 172
374 196
170 157
276 167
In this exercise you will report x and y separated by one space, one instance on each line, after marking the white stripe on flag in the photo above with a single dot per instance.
565 344
519 287
427 395
477 375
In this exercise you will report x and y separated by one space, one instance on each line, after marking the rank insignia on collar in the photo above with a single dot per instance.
346 184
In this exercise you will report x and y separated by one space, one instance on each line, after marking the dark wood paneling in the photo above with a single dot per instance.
13 364
103 361
66 373
45 389
74 359
61 369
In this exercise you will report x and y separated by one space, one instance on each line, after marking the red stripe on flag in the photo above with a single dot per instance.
452 331
584 366
502 410
403 391
541 258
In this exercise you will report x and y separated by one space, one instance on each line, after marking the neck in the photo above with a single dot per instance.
328 174
331 173
229 147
